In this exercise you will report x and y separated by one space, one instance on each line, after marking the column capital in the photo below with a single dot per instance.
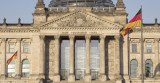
87 36
102 36
18 39
4 39
117 37
56 36
156 39
71 36
42 37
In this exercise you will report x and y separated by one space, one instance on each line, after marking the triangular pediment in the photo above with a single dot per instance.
80 19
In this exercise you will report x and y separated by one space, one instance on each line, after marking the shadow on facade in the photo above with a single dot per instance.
121 57
157 69
48 55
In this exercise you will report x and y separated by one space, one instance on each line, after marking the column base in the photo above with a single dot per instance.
71 78
157 77
126 78
18 76
87 78
118 77
56 78
119 81
41 76
111 76
40 81
102 78
3 76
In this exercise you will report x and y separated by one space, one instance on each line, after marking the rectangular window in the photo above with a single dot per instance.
11 47
134 48
25 48
149 48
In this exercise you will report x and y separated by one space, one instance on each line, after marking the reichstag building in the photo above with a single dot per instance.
78 41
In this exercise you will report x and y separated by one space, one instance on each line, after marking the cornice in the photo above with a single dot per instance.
79 28
146 30
18 30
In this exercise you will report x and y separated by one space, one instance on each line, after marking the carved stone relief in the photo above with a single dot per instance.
79 20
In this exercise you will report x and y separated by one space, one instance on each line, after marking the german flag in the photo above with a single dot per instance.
12 58
135 22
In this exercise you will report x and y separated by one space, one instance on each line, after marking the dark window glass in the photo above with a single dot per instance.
134 48
134 68
149 48
149 68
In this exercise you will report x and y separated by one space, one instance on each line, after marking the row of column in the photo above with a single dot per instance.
71 78
18 63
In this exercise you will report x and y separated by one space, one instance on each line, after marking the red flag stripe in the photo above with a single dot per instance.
136 18
126 31
15 54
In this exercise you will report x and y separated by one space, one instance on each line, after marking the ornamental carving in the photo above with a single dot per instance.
135 40
149 40
79 20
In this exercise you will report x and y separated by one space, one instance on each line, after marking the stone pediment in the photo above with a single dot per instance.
80 19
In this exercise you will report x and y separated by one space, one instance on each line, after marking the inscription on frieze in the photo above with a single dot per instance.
79 33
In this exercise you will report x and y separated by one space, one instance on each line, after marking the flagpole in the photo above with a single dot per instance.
128 53
142 47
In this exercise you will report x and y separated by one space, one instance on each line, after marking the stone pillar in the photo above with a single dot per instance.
56 77
102 58
71 77
157 67
88 74
126 63
117 60
18 63
42 57
3 47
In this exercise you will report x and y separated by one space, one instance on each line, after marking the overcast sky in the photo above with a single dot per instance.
14 9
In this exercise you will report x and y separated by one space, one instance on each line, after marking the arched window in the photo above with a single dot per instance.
25 68
134 68
11 69
149 68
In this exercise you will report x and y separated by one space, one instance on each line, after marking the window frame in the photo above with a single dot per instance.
148 48
11 48
134 51
25 68
150 69
25 48
136 75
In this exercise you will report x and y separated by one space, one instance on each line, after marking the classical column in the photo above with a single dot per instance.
42 57
88 74
102 58
117 59
56 77
18 63
157 59
3 47
71 77
126 63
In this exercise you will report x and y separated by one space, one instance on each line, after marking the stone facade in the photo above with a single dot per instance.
49 27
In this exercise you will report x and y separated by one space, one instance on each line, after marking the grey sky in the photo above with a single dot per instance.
14 9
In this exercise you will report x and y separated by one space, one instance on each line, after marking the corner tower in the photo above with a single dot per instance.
40 13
